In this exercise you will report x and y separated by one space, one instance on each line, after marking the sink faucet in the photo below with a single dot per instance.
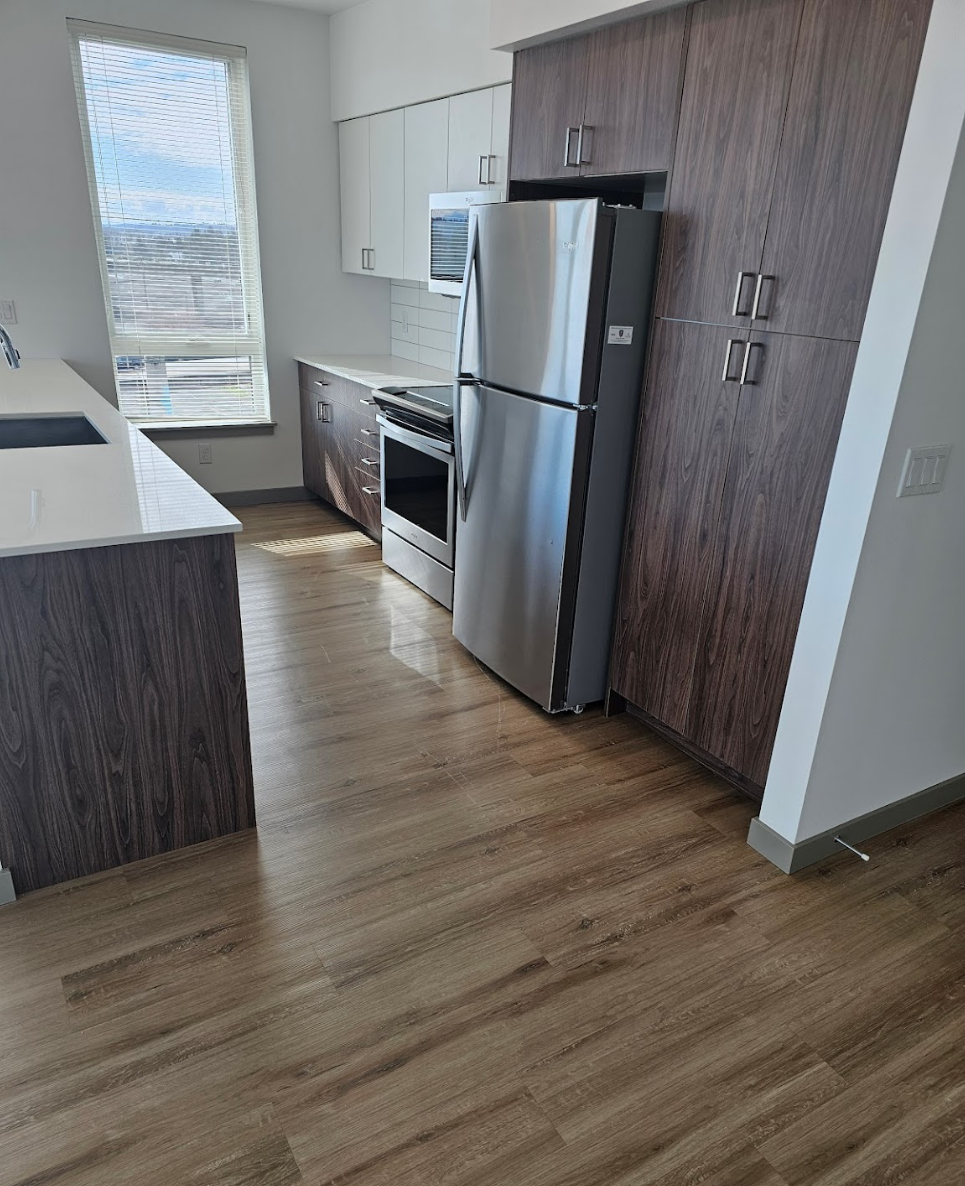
10 351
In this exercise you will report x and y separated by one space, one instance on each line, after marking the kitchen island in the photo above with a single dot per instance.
123 710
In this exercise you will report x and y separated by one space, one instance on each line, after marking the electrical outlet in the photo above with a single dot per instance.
924 470
204 454
8 313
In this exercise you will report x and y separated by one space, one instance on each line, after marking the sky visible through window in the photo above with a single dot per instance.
160 134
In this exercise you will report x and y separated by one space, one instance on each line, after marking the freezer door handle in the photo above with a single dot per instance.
467 278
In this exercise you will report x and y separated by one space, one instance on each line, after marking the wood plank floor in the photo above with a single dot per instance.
470 944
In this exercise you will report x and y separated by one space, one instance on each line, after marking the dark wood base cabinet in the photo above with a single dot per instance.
123 712
340 445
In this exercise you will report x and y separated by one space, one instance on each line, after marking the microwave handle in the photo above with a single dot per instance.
464 298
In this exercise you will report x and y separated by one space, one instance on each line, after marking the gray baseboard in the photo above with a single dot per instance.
792 857
7 893
257 498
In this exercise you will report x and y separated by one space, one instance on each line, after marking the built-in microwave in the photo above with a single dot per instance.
449 236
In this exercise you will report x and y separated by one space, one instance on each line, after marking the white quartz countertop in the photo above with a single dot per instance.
377 370
87 496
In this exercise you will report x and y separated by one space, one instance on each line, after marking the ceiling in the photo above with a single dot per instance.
319 5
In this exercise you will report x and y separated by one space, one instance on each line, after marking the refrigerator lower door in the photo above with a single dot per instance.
523 465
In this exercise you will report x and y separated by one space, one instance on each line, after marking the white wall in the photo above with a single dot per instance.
518 23
875 704
390 53
48 261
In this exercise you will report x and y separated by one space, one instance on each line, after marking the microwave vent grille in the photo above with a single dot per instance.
449 244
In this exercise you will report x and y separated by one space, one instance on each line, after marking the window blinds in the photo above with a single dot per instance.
167 134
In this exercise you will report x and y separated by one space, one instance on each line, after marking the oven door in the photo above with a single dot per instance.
419 489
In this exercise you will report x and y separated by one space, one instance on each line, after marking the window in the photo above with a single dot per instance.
167 134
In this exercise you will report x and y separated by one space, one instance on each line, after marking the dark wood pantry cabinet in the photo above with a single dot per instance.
854 74
792 118
736 84
601 104
340 445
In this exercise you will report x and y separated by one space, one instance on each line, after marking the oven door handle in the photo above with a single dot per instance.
457 448
415 439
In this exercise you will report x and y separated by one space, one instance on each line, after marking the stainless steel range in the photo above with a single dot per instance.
419 486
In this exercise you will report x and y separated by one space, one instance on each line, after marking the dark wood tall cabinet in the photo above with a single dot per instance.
601 104
854 75
792 119
736 84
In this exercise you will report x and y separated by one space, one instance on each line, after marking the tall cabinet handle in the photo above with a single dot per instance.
727 377
742 278
567 145
580 140
751 347
756 314
483 167
491 169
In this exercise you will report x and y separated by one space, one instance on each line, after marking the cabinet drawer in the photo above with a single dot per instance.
369 502
335 389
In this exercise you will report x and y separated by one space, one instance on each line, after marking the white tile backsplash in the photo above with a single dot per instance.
423 325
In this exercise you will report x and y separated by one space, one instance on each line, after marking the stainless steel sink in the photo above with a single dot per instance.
41 432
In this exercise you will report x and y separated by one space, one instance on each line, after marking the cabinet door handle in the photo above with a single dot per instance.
567 145
324 412
727 376
483 162
745 381
490 170
742 278
756 314
580 158
371 490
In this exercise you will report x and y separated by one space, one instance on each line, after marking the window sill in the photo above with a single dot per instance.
220 428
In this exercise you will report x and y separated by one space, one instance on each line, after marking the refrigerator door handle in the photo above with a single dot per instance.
457 448
467 277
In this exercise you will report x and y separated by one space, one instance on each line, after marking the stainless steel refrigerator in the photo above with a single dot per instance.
553 327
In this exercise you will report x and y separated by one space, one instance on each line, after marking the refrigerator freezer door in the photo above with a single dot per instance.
537 304
518 458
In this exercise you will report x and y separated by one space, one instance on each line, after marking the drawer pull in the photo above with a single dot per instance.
321 383
363 400
371 490
369 461
368 432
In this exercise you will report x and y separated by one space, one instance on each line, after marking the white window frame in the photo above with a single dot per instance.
210 345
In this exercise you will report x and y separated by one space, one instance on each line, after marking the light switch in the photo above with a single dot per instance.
8 313
924 470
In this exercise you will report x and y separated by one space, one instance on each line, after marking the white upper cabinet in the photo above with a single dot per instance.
390 163
470 139
479 139
386 171
426 172
354 182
